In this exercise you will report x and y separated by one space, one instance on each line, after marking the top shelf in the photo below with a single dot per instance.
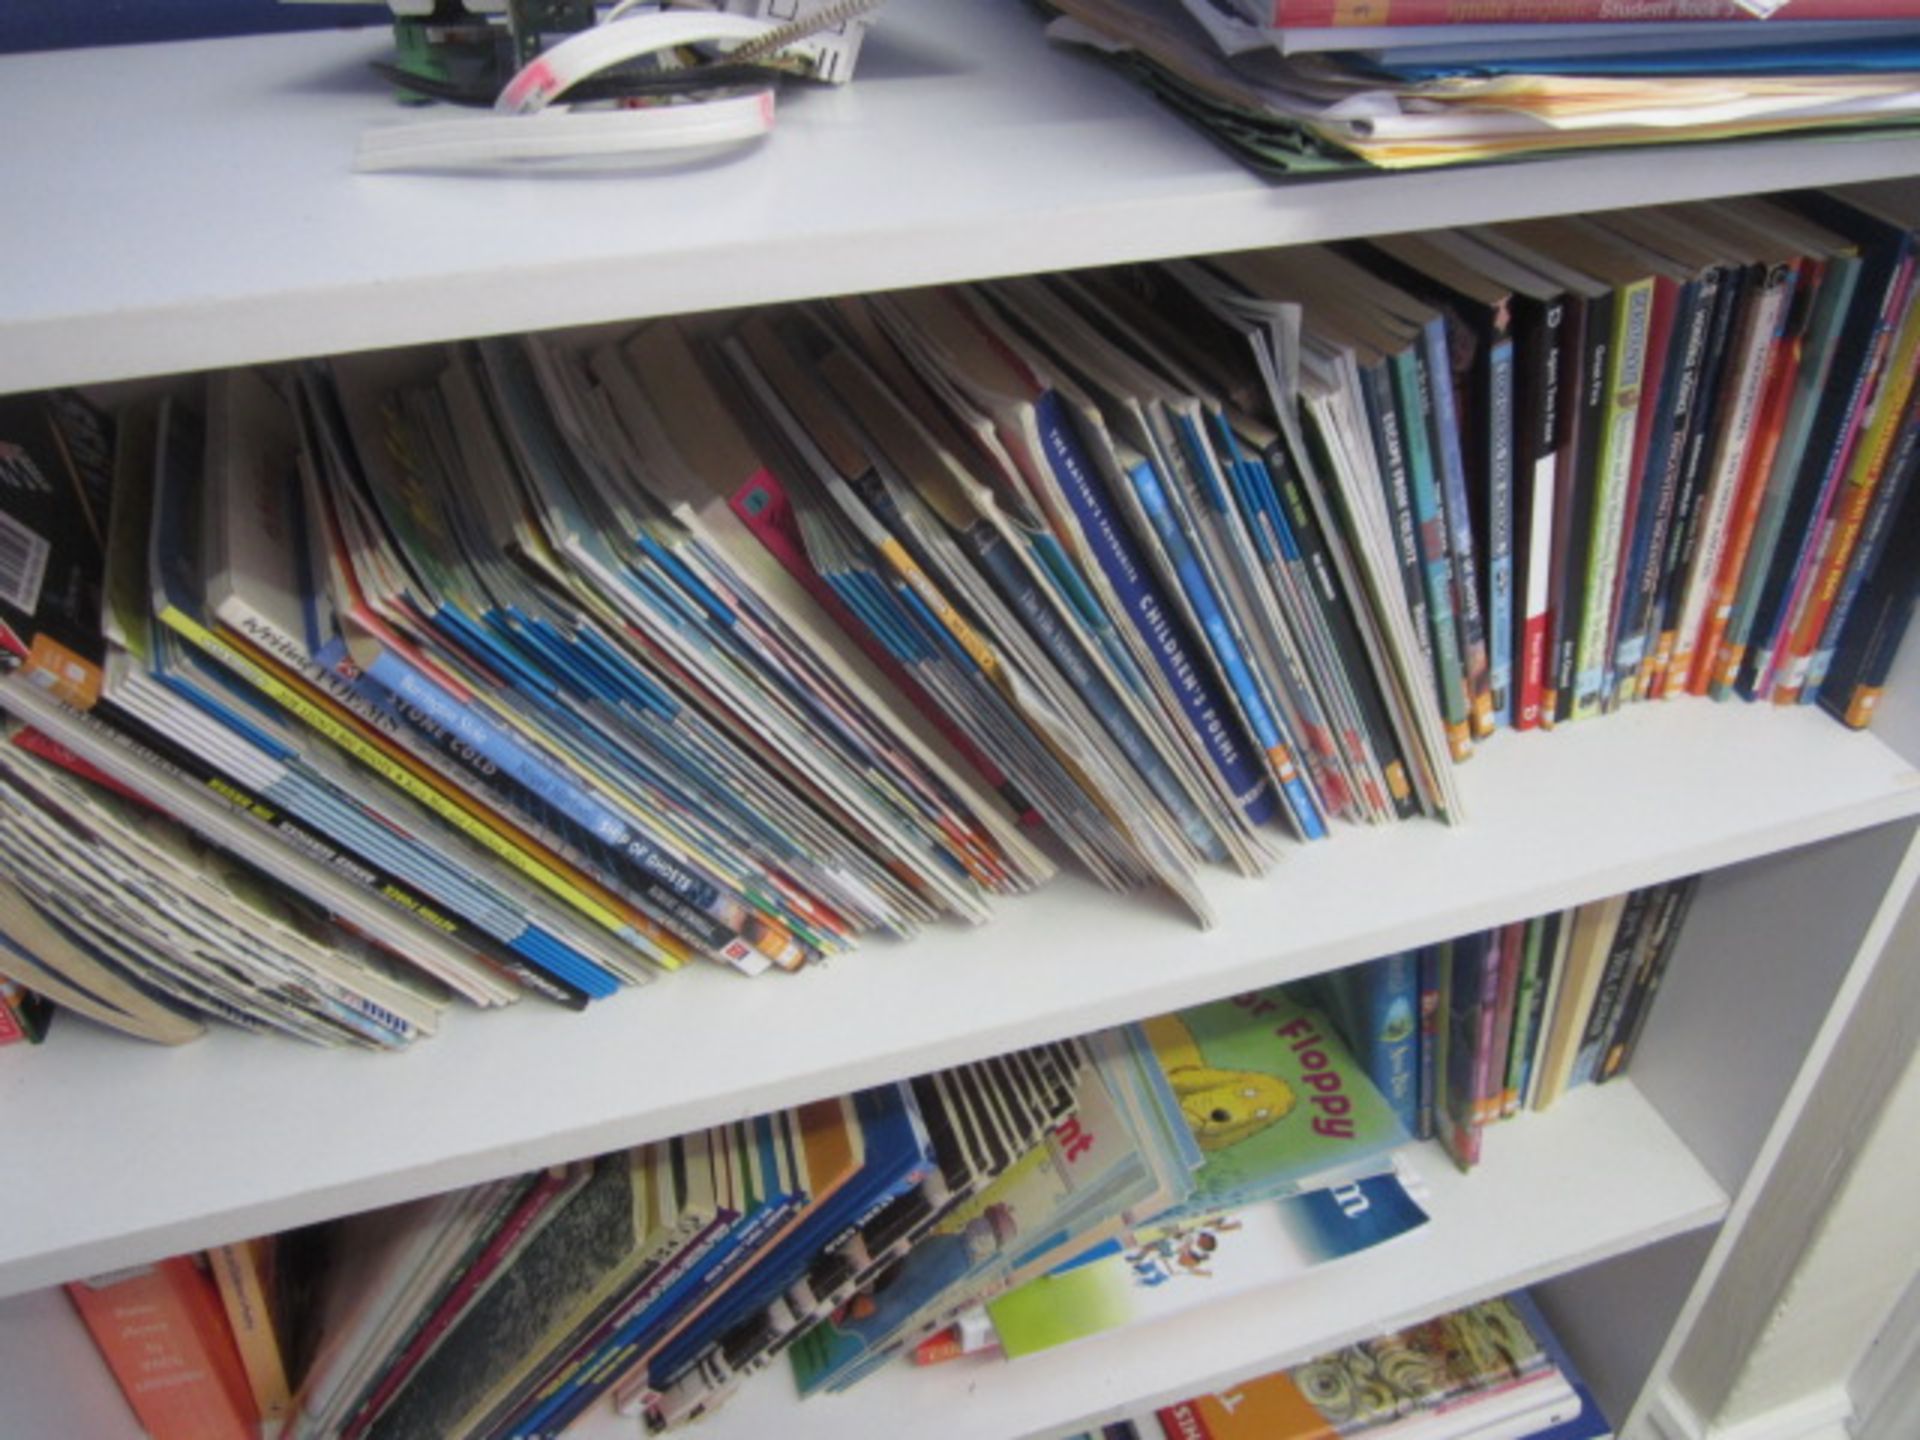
177 207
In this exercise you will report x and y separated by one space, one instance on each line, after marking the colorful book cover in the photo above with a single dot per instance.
1633 312
1449 1363
1271 1094
1474 983
1376 1006
1171 1269
162 1333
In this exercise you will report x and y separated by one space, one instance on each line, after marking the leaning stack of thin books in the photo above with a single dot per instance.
1299 86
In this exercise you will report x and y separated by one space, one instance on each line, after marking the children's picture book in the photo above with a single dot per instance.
1271 1094
1476 1365
1169 1269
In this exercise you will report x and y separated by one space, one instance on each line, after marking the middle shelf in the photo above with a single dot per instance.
1555 1193
159 1153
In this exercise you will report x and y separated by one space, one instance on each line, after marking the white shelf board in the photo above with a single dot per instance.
141 1153
1597 1176
182 206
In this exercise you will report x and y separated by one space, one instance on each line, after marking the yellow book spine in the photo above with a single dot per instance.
236 1271
459 812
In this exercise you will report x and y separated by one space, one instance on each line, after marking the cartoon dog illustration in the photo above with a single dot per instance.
1222 1107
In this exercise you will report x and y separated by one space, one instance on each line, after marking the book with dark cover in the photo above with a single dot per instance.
1478 315
1474 983
1718 374
1880 616
1629 942
56 474
1663 935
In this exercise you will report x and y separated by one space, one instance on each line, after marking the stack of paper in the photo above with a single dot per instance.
1301 87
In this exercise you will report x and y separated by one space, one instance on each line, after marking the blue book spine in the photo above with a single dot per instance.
1444 416
1159 627
1002 567
541 776
1389 1015
1224 643
1500 429
1436 556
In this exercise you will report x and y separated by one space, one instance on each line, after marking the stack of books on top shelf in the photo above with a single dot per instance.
1306 86
1066 1189
1493 1371
546 664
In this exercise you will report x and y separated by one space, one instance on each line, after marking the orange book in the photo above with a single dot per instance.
163 1333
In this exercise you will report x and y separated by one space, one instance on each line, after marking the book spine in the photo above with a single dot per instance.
1222 640
1444 426
1500 401
696 903
1660 482
1573 545
1781 598
1627 942
1507 947
1718 378
1389 992
1751 495
1663 930
1147 611
1543 423
1383 421
236 1272
1436 555
1540 1006
499 949
1759 334
1874 537
1633 317
1839 284
335 727
1526 991
1881 429
1431 1021
1655 406
1323 583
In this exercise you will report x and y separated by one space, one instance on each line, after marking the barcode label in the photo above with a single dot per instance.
23 564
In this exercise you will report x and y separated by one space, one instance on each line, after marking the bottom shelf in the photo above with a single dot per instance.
1599 1176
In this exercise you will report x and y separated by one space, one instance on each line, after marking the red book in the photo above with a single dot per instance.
1305 14
163 1333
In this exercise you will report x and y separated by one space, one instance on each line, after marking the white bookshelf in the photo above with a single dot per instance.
1549 1192
178 207
174 208
305 1134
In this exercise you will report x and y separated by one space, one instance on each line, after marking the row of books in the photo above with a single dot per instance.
1302 88
1492 1371
547 664
1068 1188
1473 1030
